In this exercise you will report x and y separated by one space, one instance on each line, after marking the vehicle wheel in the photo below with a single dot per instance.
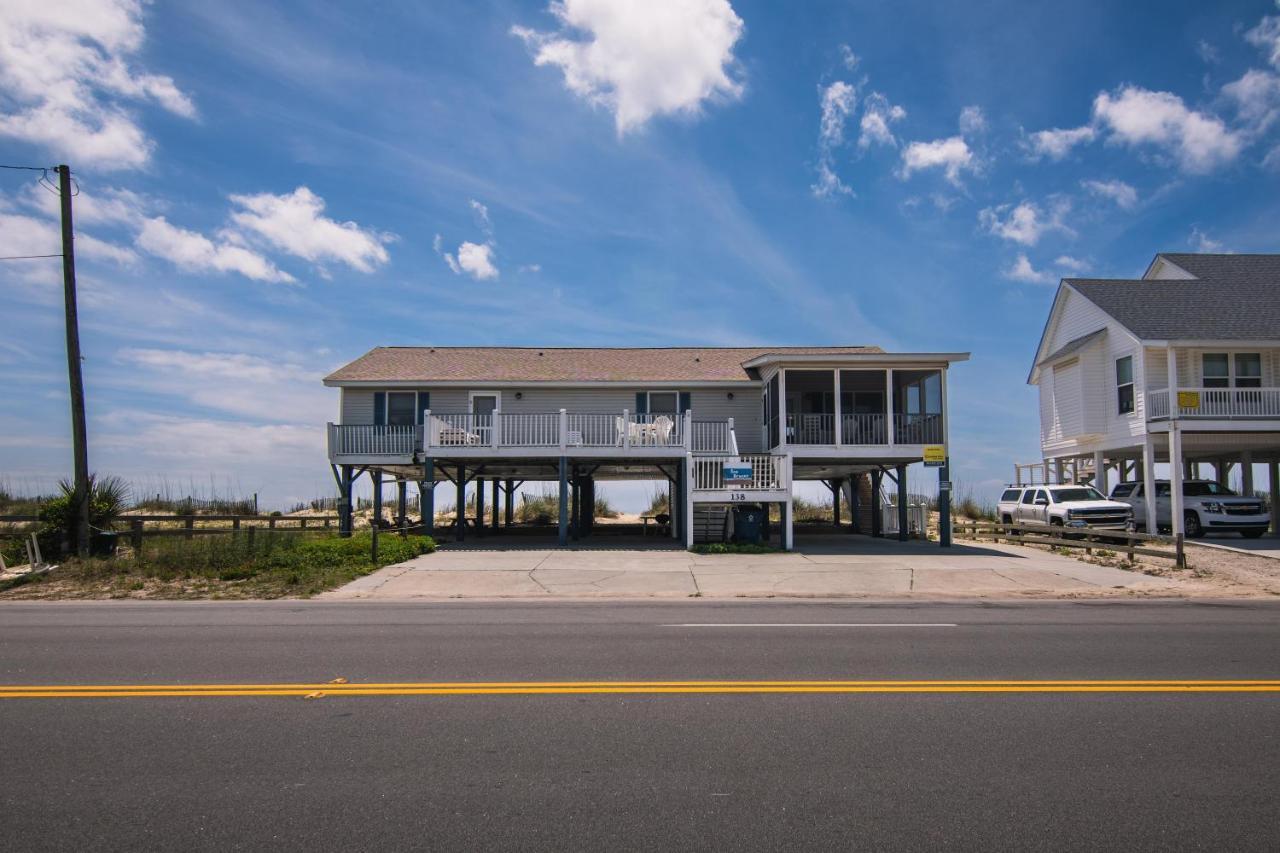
1192 526
1252 534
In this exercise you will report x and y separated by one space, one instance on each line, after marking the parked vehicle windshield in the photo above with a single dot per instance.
1199 490
1077 493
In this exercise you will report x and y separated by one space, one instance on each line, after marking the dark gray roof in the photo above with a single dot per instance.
1234 297
1072 347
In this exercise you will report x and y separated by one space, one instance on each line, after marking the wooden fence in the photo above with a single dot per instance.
135 528
1129 543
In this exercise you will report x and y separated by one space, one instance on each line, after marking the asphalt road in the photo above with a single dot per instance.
1098 770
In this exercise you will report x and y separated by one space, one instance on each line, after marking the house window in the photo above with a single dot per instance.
664 403
400 408
1217 370
1124 385
1222 370
1248 370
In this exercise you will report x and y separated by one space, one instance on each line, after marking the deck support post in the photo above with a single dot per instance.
1149 484
376 475
402 505
575 505
855 505
903 521
427 497
944 504
1176 472
497 489
835 502
344 504
1100 472
686 498
1246 473
564 500
788 525
588 505
1273 469
510 489
877 507
460 516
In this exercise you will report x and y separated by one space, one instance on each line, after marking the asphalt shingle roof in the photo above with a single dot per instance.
1234 297
567 364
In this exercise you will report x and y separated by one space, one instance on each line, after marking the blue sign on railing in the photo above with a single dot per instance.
738 473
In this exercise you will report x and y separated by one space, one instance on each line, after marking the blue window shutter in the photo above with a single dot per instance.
685 402
642 403
424 403
379 408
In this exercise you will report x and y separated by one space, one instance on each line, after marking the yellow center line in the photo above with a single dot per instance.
467 688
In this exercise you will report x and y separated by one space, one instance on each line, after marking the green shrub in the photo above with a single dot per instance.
732 548
59 517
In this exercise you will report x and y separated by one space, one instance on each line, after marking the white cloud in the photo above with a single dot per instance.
1256 96
27 235
1202 242
1070 264
1208 53
1026 223
108 206
1058 142
1021 270
65 71
194 252
1135 116
1272 160
848 58
838 101
972 121
294 223
473 259
1121 193
642 59
220 445
877 115
1266 36
952 155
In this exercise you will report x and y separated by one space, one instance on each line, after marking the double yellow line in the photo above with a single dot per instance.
525 688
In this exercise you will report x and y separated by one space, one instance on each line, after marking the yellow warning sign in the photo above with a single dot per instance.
935 454
1188 399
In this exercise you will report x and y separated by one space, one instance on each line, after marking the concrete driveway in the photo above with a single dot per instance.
826 567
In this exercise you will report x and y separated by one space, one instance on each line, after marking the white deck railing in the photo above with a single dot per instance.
767 472
541 429
917 429
863 429
713 436
373 440
1217 403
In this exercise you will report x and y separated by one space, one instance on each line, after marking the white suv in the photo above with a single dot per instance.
1062 506
1207 507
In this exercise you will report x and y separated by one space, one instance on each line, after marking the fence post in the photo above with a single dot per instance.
135 535
250 530
271 522
1180 552
190 525
235 527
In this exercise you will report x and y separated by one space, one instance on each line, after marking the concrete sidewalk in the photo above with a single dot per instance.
826 567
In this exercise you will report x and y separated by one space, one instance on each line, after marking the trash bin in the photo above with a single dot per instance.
103 543
748 524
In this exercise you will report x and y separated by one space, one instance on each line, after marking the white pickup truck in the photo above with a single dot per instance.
1207 507
1062 506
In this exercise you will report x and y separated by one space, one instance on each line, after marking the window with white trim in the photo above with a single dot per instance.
1232 370
1124 385
400 408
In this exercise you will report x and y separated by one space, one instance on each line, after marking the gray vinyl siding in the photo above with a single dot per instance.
706 403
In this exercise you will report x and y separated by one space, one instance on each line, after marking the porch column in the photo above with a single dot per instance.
944 504
377 510
877 509
1057 469
510 488
1273 480
427 497
460 516
344 504
564 501
1176 463
1246 473
1149 483
686 495
903 530
479 506
855 506
575 505
402 505
835 503
836 432
497 487
588 506
1100 472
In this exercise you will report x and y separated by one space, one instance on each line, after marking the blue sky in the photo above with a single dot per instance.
268 190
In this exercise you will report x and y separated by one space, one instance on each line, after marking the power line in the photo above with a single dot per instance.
26 168
28 257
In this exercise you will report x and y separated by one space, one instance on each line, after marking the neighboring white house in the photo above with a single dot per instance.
1182 364
722 425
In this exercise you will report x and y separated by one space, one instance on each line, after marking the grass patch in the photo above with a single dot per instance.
733 548
268 565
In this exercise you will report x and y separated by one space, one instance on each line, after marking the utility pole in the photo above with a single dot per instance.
78 430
